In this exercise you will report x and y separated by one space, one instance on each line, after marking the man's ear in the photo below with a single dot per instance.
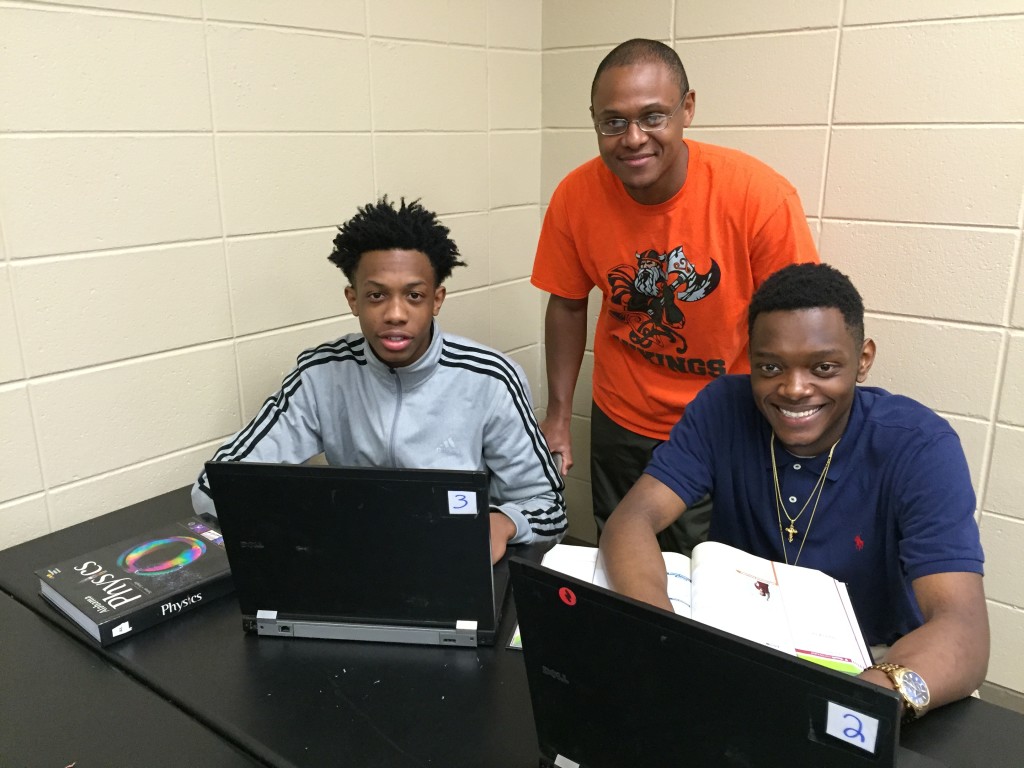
439 293
689 108
866 360
350 296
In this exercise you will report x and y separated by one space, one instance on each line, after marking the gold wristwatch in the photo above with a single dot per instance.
911 686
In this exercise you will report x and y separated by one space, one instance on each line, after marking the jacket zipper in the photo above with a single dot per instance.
394 421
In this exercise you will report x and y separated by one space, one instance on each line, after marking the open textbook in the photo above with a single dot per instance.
796 610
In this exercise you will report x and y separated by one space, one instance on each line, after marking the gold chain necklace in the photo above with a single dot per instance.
780 506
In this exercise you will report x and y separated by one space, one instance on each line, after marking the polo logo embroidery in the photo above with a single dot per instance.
858 542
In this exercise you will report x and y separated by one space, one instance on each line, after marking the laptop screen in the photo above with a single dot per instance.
615 682
361 545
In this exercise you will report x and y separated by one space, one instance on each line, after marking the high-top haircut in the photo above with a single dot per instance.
809 286
381 226
642 51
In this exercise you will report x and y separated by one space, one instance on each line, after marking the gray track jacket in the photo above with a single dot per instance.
460 406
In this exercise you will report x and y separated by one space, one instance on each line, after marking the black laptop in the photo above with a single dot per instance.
615 682
378 555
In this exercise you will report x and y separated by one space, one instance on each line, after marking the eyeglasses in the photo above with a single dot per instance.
655 121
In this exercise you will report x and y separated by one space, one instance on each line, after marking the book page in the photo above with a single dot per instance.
680 586
821 620
739 593
578 562
800 611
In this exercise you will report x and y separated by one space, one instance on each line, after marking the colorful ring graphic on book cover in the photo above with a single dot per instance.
130 560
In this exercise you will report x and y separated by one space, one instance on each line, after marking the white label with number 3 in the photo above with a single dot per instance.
462 502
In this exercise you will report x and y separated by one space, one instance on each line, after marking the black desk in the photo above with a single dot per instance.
60 703
304 702
313 703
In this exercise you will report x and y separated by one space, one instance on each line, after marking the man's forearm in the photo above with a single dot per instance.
565 340
633 562
629 543
951 649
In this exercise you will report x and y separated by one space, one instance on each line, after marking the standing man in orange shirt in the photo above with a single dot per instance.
678 235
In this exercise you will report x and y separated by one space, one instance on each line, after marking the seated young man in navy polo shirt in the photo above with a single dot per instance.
806 467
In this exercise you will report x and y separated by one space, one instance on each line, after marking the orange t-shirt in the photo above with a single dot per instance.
676 277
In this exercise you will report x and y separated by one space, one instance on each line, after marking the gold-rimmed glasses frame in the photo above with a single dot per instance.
653 121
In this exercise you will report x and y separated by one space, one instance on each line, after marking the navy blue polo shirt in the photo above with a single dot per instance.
897 503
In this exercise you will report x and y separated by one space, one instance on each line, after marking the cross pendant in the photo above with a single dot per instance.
792 531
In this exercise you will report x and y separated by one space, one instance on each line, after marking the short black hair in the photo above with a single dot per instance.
381 226
809 286
642 51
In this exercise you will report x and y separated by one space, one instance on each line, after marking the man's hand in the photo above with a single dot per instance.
556 432
502 529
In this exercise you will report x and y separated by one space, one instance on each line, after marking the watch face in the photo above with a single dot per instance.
915 688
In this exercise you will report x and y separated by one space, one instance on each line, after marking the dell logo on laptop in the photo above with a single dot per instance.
554 674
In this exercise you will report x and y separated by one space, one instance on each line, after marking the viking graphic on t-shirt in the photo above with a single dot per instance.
650 293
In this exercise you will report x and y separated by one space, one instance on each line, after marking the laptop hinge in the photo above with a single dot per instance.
269 623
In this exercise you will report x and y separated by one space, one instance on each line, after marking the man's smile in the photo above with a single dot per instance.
799 413
637 160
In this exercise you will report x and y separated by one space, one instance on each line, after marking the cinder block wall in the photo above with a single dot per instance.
902 126
171 170
170 174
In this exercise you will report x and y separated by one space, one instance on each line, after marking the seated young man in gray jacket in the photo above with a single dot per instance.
404 394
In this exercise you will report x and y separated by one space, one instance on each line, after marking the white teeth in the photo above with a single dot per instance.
799 414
